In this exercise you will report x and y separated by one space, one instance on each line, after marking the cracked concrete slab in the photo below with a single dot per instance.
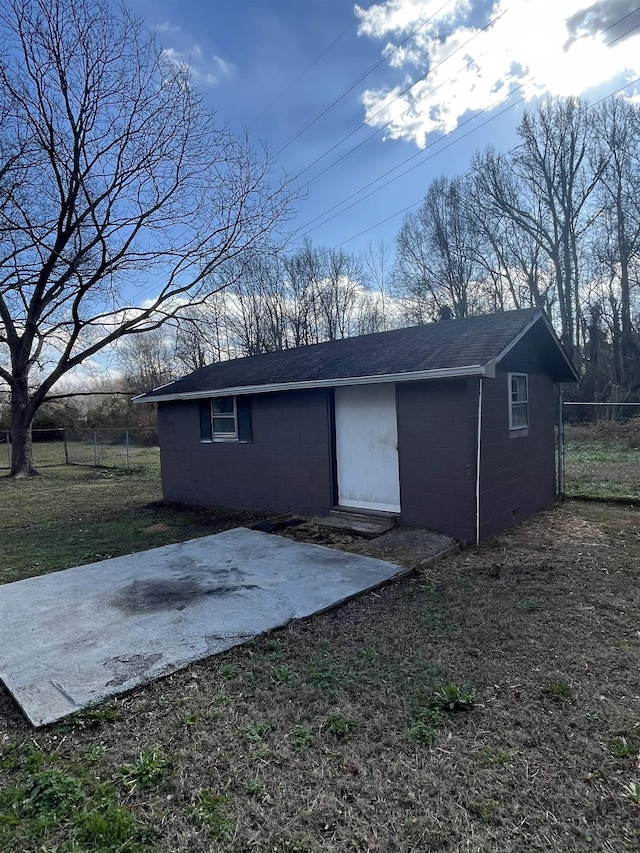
73 638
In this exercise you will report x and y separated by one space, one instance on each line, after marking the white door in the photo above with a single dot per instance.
367 447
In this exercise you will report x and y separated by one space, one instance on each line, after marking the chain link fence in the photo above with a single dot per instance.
127 449
601 451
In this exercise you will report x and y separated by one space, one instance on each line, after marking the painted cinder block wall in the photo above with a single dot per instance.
290 464
436 448
517 469
287 467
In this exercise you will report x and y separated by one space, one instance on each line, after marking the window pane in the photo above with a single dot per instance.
223 406
226 426
519 389
519 415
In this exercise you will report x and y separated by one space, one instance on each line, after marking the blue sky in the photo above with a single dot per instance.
487 59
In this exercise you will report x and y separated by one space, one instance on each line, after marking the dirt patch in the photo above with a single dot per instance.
156 528
408 546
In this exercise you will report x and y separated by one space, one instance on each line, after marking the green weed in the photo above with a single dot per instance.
95 754
491 757
150 770
423 733
191 720
450 697
558 690
487 809
626 742
110 828
51 793
292 845
256 731
212 810
340 726
35 758
323 676
633 790
282 674
302 739
92 718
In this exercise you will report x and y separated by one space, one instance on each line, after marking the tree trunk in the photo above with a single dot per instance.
22 414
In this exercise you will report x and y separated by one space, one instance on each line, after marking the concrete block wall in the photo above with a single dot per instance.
436 444
517 468
286 468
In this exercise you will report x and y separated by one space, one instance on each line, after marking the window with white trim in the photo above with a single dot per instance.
225 419
518 401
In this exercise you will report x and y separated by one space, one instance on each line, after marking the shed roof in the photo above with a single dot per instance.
450 348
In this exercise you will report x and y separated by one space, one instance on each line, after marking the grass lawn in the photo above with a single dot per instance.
603 461
489 704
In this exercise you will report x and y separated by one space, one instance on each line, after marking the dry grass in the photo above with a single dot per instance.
317 737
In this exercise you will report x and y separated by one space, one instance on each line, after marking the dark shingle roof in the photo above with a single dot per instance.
450 345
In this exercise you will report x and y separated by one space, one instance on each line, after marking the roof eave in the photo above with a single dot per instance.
561 351
487 370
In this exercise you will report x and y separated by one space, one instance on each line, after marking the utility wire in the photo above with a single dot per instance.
350 88
302 74
416 203
393 100
420 154
624 35
424 152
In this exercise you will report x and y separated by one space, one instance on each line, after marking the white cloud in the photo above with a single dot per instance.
204 70
166 27
556 48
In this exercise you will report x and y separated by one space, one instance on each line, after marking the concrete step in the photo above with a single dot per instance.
367 524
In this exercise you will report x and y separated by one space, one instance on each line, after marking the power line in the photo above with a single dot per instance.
619 21
624 35
302 74
416 203
350 88
421 154
393 100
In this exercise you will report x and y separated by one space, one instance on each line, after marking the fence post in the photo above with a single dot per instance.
126 435
560 450
95 447
9 447
66 449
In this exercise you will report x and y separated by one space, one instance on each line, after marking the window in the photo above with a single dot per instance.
225 422
518 401
225 419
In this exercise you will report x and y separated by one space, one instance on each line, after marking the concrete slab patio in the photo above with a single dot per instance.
70 639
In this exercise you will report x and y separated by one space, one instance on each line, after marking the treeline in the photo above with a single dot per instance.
553 223
283 299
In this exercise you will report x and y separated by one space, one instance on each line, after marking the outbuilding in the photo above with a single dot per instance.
448 425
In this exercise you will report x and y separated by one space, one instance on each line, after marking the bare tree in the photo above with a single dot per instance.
341 274
437 254
118 194
202 333
617 243
147 360
545 188
514 269
255 300
376 308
